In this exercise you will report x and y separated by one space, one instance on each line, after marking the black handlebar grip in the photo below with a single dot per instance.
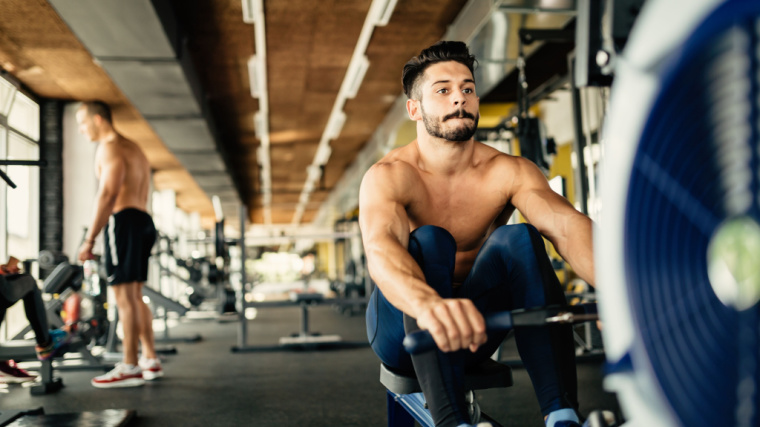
418 342
421 341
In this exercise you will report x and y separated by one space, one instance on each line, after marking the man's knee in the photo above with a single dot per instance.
429 238
516 231
127 294
511 237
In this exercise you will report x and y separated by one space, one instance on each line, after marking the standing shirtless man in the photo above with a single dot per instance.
124 175
433 215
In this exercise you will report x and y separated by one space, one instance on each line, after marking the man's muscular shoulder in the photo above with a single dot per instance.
394 175
107 152
505 169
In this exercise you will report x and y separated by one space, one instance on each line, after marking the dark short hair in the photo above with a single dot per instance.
98 107
440 52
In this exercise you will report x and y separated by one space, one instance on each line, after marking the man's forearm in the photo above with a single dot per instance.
399 277
578 249
103 209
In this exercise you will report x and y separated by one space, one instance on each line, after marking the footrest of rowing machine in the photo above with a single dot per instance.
489 374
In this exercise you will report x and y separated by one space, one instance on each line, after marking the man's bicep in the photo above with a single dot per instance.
112 173
547 211
538 203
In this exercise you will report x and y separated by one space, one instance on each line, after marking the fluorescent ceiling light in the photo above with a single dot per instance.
323 154
335 125
382 13
254 76
266 183
314 173
262 155
356 73
251 10
261 124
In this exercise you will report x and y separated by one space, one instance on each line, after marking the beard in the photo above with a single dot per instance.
462 133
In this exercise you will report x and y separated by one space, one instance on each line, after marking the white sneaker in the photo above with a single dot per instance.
120 376
151 369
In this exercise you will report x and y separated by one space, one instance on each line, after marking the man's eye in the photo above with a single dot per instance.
468 91
442 90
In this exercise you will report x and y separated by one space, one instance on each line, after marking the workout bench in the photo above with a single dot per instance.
304 337
406 404
63 281
25 350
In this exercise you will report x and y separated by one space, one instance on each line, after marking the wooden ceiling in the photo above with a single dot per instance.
309 45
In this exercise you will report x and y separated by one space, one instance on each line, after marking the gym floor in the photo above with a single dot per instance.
208 385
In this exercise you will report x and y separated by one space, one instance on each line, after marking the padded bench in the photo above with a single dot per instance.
304 337
406 404
21 350
25 350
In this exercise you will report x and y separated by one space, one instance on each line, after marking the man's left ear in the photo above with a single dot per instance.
413 108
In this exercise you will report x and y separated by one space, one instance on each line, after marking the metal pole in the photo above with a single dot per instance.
304 319
581 178
243 333
41 163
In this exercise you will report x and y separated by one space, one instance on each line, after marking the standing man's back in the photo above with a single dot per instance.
136 184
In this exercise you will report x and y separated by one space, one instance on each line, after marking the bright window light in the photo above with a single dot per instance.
25 116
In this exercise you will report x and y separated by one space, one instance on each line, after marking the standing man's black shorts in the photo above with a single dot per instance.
129 238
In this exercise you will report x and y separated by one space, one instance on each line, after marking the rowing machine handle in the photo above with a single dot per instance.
421 341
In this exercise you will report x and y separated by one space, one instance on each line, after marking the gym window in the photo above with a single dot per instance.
20 213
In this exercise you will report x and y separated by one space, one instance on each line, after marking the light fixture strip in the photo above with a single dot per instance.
335 125
322 155
249 11
253 76
253 12
377 10
356 75
261 124
384 12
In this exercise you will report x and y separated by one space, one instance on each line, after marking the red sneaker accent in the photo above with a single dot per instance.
11 373
120 376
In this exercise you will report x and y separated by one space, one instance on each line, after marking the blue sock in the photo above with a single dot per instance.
565 414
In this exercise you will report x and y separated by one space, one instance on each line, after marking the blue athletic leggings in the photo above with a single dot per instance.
511 271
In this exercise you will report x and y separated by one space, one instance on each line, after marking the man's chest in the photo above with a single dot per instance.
466 211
